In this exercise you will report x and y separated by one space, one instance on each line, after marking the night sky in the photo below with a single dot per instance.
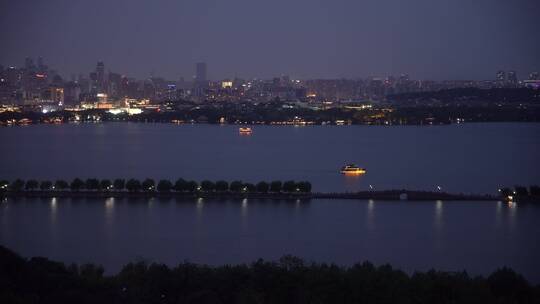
428 39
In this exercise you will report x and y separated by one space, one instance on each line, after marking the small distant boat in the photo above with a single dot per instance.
245 131
352 170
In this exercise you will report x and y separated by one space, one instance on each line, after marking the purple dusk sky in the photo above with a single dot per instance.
428 39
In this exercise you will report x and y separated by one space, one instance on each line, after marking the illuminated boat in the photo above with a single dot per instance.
245 131
352 170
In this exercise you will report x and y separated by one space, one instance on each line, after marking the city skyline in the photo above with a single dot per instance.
241 39
200 73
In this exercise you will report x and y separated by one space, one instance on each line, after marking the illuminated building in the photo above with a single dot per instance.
226 84
57 95
102 97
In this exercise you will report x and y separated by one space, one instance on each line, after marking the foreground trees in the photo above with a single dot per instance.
289 280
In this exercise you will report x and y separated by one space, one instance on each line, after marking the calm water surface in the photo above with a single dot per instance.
476 158
476 236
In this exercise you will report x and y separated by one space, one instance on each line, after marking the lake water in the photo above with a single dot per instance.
453 236
475 158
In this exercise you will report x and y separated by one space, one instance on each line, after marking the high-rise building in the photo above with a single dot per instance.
512 77
200 75
501 76
534 76
100 76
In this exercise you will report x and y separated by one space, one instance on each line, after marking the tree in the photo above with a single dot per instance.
505 192
289 186
119 184
534 190
60 185
222 186
92 184
77 184
45 185
148 185
17 185
304 187
521 191
164 186
4 184
236 186
180 185
31 184
207 186
263 187
105 184
249 187
133 185
275 186
192 186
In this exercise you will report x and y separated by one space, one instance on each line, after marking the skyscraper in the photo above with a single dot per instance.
512 77
200 75
100 76
501 76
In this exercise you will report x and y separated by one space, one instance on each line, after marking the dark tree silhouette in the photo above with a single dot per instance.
192 186
304 186
105 184
133 185
77 184
521 191
119 184
507 284
92 184
164 186
180 185
148 185
45 185
207 186
289 186
534 190
275 186
249 188
505 192
290 280
60 185
31 184
17 185
236 186
4 184
263 187
222 186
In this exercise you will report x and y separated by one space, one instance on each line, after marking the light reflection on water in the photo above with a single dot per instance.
116 231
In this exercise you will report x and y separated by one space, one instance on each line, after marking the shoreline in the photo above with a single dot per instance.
389 195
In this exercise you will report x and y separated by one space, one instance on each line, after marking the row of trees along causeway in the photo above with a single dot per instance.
521 193
149 185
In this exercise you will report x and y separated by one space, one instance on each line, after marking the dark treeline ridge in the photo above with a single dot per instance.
149 185
290 280
468 95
